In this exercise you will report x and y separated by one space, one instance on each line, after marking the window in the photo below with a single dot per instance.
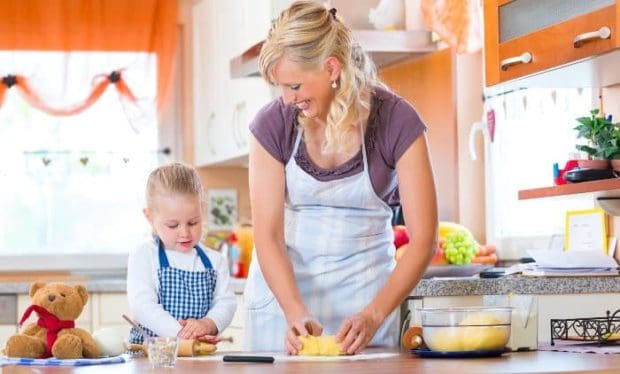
534 130
74 184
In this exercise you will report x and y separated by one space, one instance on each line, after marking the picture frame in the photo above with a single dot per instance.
221 209
585 230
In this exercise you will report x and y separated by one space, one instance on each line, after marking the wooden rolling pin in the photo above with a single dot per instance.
187 348
193 347
412 338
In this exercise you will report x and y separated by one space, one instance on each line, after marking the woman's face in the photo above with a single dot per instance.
308 90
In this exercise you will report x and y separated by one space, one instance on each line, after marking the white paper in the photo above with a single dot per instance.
282 357
585 233
572 259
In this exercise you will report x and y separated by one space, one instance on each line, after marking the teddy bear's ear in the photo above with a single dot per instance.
81 290
35 287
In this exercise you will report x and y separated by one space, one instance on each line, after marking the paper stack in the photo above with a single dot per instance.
570 263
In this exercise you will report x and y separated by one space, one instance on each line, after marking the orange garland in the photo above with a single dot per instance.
32 98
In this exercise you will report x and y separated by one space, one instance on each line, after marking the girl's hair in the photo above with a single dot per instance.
307 33
173 177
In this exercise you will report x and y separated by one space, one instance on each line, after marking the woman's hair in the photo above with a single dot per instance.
307 33
173 177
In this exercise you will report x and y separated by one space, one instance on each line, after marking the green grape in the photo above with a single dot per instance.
460 248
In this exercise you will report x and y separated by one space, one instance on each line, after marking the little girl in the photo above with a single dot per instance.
175 287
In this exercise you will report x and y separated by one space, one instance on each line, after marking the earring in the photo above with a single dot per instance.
334 85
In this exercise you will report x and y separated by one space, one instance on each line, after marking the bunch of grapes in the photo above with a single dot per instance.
460 248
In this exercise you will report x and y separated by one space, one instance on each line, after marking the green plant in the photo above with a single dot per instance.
602 136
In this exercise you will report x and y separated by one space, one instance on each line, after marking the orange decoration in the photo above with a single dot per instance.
91 25
458 23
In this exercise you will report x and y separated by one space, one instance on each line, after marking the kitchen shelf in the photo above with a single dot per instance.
603 185
384 47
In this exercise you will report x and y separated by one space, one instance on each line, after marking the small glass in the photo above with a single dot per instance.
162 351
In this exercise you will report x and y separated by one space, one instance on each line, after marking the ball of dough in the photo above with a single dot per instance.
319 346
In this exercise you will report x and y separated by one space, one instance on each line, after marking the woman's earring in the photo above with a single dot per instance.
334 85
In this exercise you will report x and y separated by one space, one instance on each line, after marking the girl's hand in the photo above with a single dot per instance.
301 326
211 339
194 328
356 332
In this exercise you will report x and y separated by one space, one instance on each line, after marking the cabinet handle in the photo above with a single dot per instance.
524 58
602 33
208 140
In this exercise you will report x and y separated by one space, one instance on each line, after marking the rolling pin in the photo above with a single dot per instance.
412 338
187 348
193 347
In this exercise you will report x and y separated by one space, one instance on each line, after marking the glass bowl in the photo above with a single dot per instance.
466 329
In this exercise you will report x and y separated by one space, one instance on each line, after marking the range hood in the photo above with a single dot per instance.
384 47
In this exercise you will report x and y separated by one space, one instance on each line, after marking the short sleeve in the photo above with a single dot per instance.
272 127
401 127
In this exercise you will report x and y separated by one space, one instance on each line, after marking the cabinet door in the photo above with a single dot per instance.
204 82
525 37
108 310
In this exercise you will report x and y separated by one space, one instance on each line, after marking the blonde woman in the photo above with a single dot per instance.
328 160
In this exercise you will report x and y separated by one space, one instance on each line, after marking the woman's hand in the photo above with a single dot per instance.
301 326
356 332
194 328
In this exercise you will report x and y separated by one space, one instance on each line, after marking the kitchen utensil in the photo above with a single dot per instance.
137 327
253 359
412 338
466 329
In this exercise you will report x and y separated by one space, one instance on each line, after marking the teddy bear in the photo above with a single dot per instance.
58 305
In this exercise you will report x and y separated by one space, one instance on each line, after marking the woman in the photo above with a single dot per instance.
321 196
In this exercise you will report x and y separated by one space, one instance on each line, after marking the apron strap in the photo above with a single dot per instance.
163 259
203 257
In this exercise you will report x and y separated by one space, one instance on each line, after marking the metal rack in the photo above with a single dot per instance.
603 330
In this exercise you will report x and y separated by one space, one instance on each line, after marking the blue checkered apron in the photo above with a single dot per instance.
184 294
339 239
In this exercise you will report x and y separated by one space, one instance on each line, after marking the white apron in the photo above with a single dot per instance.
339 238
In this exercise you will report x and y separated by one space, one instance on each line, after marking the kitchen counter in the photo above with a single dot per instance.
469 286
19 283
517 362
516 284
426 287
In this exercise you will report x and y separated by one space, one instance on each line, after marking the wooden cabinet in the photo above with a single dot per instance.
524 37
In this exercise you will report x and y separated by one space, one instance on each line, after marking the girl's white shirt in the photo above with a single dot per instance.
143 285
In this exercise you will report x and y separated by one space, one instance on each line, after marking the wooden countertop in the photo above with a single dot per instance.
517 362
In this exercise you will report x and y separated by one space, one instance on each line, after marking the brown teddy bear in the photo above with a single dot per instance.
58 306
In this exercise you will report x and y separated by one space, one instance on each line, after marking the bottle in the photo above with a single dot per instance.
234 257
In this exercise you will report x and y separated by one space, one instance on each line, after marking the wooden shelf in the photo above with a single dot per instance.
571 189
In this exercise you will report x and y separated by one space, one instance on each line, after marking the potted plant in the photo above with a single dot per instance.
611 146
599 133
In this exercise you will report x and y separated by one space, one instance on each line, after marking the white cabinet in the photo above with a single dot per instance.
235 330
224 107
108 310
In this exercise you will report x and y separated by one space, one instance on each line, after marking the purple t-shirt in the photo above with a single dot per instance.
393 125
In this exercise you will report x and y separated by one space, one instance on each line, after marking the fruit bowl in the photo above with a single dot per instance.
466 329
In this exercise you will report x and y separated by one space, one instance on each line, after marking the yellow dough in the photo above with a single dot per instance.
465 337
319 346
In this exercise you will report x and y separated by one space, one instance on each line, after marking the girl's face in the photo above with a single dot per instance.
177 219
310 91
